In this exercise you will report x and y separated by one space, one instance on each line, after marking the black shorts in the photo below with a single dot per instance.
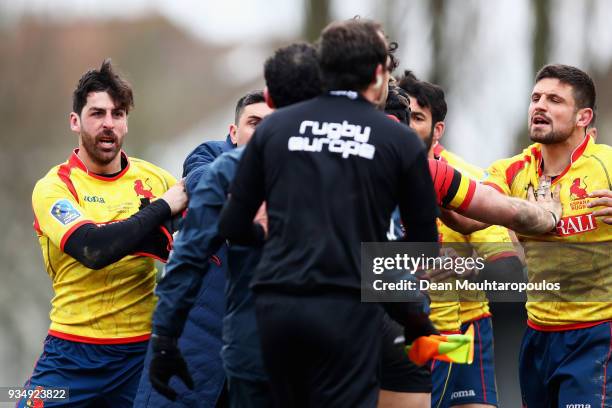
320 350
398 373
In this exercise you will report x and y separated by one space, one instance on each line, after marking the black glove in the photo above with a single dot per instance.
167 361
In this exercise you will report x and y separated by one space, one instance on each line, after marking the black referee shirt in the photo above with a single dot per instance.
331 170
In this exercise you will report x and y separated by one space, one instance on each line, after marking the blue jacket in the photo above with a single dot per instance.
200 157
188 267
200 340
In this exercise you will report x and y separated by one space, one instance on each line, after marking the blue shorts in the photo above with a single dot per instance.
567 368
442 379
458 384
95 374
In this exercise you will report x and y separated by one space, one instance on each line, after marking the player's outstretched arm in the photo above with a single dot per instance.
531 217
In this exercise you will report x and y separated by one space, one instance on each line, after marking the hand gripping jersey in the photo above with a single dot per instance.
585 269
113 304
491 243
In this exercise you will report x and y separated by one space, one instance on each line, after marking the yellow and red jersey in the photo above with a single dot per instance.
590 169
491 243
113 304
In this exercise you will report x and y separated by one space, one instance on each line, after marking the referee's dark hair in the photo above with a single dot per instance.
103 80
292 74
349 52
248 99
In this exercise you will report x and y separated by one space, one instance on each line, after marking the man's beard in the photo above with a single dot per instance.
552 137
429 140
98 154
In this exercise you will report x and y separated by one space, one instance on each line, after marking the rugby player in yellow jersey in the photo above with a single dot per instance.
461 385
566 351
402 383
98 218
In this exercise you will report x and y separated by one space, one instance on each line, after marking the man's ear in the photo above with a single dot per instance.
75 122
268 98
438 132
378 76
584 117
232 133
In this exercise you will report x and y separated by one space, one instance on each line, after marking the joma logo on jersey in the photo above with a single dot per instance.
463 394
334 132
577 405
94 199
576 224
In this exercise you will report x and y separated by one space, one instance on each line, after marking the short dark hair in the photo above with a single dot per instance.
427 95
248 99
398 104
581 83
292 74
103 80
349 52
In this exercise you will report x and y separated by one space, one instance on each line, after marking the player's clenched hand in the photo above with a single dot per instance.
167 362
176 197
547 200
602 198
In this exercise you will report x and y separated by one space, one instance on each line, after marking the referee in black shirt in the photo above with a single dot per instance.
331 170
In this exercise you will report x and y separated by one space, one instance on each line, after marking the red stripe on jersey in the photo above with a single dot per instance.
37 226
440 173
95 340
71 230
437 151
514 169
64 174
495 186
75 161
469 196
563 327
575 155
501 255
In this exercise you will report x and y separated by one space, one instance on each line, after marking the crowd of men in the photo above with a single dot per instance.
260 301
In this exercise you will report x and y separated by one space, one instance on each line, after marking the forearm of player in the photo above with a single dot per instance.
97 246
528 218
491 207
460 223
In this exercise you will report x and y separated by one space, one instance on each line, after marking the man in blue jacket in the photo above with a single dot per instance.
298 68
200 340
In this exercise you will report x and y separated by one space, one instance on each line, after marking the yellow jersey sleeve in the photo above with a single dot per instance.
495 176
57 213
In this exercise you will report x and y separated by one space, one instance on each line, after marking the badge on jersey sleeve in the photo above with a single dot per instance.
64 211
